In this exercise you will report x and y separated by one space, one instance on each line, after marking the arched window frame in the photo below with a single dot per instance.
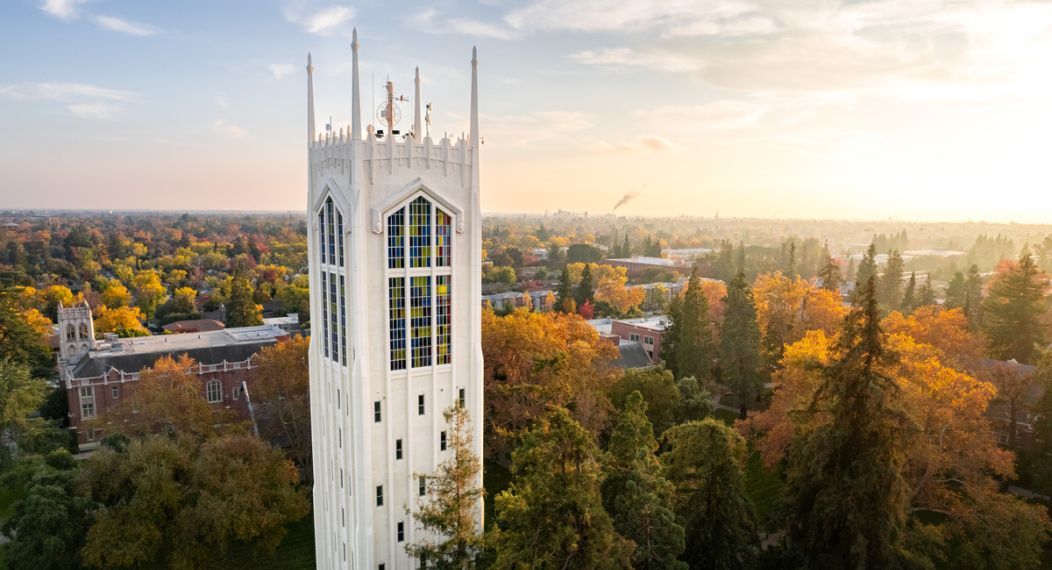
418 269
333 283
214 391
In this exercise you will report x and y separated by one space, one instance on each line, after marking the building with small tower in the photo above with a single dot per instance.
395 277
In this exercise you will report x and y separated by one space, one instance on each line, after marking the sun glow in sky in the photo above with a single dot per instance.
916 109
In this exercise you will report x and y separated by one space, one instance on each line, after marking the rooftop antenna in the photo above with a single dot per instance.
328 126
388 111
427 120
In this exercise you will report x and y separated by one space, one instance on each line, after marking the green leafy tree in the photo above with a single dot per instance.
705 461
1012 314
925 294
20 342
636 493
177 502
695 401
564 296
867 267
552 514
740 360
846 496
241 308
973 306
659 390
50 523
909 296
20 396
692 332
453 500
889 292
829 271
585 287
956 292
1037 460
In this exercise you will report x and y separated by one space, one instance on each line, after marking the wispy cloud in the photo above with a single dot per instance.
644 142
431 22
531 129
113 23
228 129
713 116
620 57
320 21
93 110
279 70
222 102
670 18
63 91
62 9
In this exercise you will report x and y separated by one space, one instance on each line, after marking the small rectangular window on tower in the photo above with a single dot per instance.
398 449
420 405
461 398
377 416
401 531
379 495
422 485
442 441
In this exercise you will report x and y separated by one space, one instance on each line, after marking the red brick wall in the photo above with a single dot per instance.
625 331
104 400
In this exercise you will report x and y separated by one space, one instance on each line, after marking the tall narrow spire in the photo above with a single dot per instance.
310 101
356 108
416 114
474 98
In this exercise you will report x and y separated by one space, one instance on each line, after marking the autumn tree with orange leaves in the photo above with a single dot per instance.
953 463
537 360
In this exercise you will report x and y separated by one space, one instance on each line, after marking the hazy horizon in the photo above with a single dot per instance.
925 111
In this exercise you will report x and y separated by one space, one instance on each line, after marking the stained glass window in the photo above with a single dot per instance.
442 319
419 256
442 238
339 234
396 240
334 330
396 317
343 322
420 320
420 233
325 309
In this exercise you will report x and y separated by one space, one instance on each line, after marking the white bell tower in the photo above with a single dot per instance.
76 331
395 276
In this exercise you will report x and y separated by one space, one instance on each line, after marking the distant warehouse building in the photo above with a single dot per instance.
98 374
639 264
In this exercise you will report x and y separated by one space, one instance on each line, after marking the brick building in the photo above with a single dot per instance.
98 374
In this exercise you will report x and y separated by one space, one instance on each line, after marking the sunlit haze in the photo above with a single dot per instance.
920 109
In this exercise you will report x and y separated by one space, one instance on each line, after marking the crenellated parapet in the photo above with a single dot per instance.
445 156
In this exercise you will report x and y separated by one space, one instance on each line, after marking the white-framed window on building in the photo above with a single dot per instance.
236 393
333 282
214 391
633 337
649 340
87 402
115 392
419 282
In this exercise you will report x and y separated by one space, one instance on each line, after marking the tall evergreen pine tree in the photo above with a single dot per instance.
564 297
740 361
585 289
846 496
693 333
1012 313
636 493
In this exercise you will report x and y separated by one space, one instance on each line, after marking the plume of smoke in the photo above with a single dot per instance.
625 199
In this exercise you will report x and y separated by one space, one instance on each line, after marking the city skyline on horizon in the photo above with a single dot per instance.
925 112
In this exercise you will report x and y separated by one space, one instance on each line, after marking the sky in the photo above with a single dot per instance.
906 109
